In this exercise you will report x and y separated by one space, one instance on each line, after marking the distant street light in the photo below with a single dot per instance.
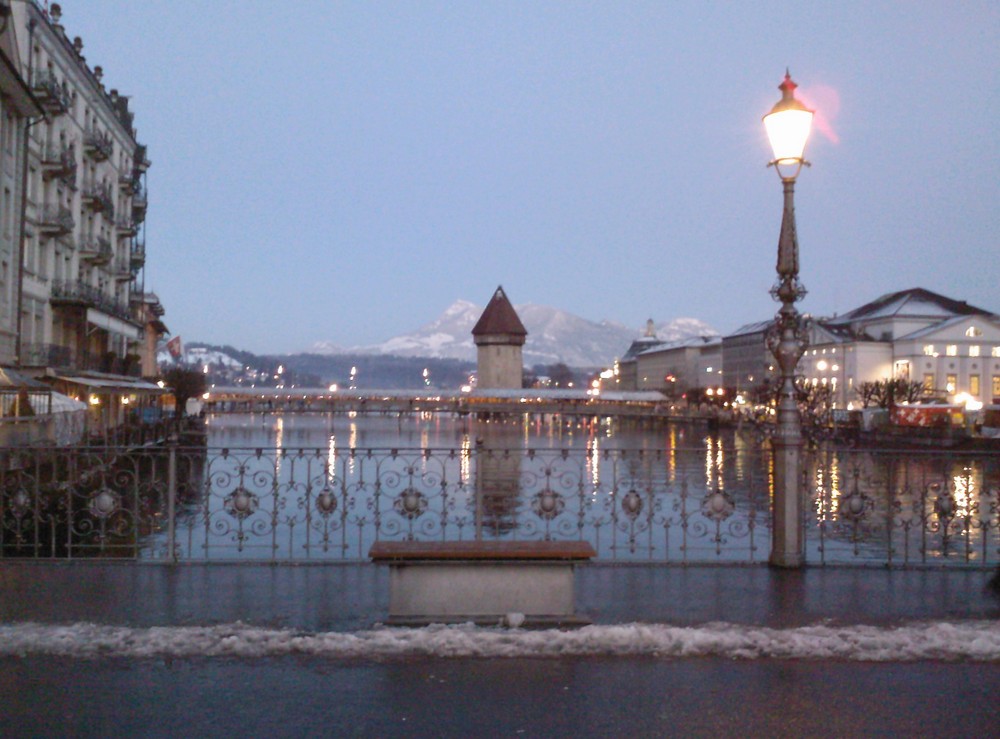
788 125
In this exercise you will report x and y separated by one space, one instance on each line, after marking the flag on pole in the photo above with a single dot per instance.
175 348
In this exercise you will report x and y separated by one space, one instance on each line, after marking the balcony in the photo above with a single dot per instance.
55 220
59 162
122 270
99 199
126 228
141 160
74 293
98 145
138 257
52 96
46 355
96 250
139 203
127 181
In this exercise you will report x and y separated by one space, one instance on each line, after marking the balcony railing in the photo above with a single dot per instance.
126 228
59 162
46 355
77 293
139 204
53 97
138 256
122 269
96 250
98 145
55 220
99 198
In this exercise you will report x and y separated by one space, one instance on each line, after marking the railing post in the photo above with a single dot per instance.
172 494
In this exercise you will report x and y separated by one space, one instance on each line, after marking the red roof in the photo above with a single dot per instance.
499 318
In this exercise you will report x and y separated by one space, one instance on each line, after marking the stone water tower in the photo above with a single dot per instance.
499 336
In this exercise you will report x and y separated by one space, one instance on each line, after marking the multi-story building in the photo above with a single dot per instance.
17 107
80 302
947 345
950 347
674 367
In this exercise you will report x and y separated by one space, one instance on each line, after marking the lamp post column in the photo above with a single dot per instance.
787 342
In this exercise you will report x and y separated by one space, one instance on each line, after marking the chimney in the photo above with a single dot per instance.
98 72
78 45
55 13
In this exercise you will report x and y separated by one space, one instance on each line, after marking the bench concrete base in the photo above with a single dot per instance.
481 582
449 592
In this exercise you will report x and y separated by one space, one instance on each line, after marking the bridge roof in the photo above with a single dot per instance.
639 396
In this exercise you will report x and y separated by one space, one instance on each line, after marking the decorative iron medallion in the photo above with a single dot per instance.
104 503
20 503
241 503
410 503
326 502
853 506
547 504
718 505
632 504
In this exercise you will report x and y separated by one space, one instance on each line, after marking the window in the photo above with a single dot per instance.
928 382
974 350
996 386
951 350
995 351
974 385
929 350
972 332
951 384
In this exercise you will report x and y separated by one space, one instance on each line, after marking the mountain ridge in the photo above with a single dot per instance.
554 335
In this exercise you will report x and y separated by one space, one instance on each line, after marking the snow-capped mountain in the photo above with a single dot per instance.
198 356
553 336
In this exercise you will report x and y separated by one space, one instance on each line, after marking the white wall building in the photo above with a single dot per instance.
83 249
948 346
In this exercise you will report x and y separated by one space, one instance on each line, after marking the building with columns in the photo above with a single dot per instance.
499 336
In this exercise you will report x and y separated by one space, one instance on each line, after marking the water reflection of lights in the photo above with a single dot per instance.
352 444
714 458
966 486
279 443
465 460
594 464
828 488
331 456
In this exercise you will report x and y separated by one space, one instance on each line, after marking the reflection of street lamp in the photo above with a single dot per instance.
788 126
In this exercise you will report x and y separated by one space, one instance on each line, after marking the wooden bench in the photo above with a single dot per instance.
482 581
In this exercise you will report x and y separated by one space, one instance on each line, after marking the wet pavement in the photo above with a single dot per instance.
355 596
308 695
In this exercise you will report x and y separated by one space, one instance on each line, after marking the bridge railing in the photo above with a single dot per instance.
679 505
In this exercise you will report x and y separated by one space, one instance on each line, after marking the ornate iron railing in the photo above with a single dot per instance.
672 506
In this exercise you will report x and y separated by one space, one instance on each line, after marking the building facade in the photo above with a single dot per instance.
947 345
17 108
674 367
80 278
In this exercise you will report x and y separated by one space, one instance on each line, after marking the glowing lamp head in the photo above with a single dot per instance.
788 125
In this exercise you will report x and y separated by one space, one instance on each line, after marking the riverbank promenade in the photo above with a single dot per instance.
94 649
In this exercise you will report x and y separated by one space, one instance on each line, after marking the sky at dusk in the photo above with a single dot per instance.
344 171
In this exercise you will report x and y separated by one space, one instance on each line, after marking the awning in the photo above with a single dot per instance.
114 384
113 325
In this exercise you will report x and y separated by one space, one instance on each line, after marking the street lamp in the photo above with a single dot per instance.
788 126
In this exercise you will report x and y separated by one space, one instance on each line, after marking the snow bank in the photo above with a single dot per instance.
965 640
